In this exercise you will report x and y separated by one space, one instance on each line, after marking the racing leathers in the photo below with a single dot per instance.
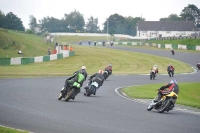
76 79
171 87
97 77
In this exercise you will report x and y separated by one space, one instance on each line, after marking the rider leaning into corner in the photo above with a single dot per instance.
97 77
109 69
170 68
172 86
78 76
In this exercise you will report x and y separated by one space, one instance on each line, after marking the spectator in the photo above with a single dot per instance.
89 42
56 44
49 51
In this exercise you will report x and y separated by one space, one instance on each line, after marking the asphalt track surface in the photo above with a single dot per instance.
31 104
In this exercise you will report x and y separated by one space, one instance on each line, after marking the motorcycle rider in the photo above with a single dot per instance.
78 77
170 68
172 86
155 69
172 50
198 66
97 77
109 69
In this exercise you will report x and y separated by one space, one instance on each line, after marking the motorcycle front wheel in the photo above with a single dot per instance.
165 105
70 94
60 96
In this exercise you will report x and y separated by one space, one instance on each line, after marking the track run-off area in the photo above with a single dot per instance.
31 104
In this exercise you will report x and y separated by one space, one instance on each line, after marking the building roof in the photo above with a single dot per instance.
166 26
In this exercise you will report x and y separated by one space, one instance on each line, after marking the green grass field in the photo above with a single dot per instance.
10 130
189 93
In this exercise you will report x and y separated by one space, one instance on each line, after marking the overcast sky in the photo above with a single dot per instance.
151 10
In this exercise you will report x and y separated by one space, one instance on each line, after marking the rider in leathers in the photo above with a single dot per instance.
78 77
97 77
172 86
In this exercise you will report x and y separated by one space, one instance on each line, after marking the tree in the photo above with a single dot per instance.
91 25
171 17
75 20
51 24
191 13
33 24
2 19
13 22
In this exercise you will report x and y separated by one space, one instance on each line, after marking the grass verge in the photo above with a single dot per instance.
189 93
95 58
10 130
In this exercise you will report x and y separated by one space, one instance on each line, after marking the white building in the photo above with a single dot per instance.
166 29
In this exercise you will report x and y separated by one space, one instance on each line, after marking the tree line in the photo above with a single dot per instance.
74 22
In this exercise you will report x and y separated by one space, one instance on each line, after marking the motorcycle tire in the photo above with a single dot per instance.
60 96
164 107
149 108
70 94
90 91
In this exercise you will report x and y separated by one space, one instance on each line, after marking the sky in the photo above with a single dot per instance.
151 10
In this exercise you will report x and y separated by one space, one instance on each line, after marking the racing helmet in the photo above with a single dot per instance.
155 65
173 81
100 71
83 67
110 65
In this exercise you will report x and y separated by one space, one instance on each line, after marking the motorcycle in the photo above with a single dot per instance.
111 43
171 73
103 43
152 74
172 52
92 88
105 74
69 93
166 103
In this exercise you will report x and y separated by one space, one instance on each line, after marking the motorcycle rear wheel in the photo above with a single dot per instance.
90 90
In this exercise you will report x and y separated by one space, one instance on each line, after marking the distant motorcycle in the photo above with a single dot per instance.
103 43
171 73
172 52
166 103
111 43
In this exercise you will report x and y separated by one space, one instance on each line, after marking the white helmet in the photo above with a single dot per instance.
173 81
100 71
83 67
155 65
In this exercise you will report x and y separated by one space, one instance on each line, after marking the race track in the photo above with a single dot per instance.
31 104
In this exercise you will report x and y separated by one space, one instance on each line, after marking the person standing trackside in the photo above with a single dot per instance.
49 51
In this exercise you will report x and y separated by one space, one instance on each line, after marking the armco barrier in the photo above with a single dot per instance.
4 61
167 46
59 56
28 60
191 47
24 61
71 53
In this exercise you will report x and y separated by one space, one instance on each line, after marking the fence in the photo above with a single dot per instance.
28 60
